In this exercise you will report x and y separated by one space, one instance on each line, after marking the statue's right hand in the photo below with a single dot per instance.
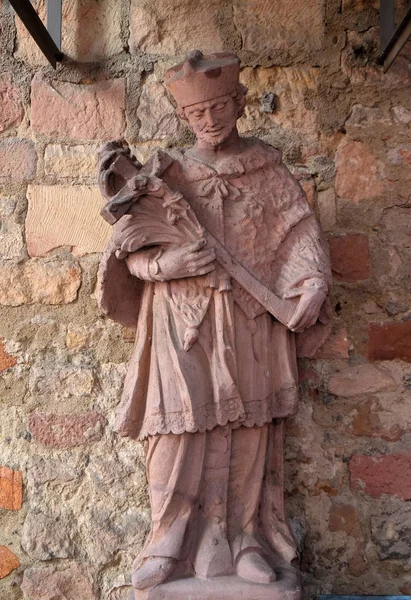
186 261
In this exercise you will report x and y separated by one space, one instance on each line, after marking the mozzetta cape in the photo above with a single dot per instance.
242 368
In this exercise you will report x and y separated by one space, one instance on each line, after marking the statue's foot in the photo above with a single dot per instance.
253 567
154 570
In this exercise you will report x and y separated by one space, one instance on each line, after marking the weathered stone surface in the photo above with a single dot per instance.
392 534
65 216
51 584
366 117
10 101
377 475
91 31
336 346
401 115
357 173
350 260
158 119
18 160
78 111
387 341
11 489
53 281
70 161
6 359
11 240
291 86
7 206
188 25
269 25
66 431
385 420
61 380
400 155
327 209
344 517
363 379
8 561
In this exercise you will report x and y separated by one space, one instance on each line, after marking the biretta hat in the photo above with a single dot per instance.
200 78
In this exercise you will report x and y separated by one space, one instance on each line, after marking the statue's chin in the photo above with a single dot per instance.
215 140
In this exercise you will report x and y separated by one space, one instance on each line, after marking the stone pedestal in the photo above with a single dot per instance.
287 587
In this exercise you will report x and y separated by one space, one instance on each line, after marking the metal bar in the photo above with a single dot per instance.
397 42
37 30
54 21
387 22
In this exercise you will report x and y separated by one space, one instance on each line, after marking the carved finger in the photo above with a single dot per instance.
210 254
207 269
196 245
203 261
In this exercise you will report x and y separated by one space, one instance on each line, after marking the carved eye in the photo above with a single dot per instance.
220 106
197 114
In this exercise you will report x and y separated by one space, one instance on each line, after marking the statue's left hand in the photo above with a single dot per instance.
308 309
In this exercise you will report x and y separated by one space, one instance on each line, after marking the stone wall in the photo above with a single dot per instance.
73 504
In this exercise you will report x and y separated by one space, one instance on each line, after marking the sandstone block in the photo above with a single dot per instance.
18 160
35 281
65 216
78 111
401 114
60 380
187 25
269 25
400 155
51 584
344 517
11 489
10 101
377 475
387 341
66 431
350 259
327 209
8 561
11 240
71 161
336 346
391 534
370 420
156 114
91 31
357 173
6 359
363 379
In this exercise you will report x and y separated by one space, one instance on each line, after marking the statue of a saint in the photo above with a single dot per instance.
218 261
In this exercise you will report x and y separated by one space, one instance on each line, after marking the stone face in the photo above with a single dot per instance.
8 561
350 260
6 359
11 107
11 240
60 380
269 25
392 534
387 341
364 379
336 346
11 489
18 160
66 431
188 25
78 111
70 161
344 517
371 420
357 173
91 31
65 216
52 584
35 281
377 475
327 209
158 119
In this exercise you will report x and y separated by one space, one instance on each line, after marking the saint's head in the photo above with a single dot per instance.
208 94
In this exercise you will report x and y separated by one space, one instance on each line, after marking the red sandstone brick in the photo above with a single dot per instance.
361 379
350 258
6 360
18 160
11 107
66 431
78 111
11 489
387 341
8 561
357 173
336 346
344 517
389 474
367 423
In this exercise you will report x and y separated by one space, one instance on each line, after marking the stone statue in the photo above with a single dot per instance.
218 262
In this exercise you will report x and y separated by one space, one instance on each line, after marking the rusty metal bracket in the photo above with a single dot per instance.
392 39
48 39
